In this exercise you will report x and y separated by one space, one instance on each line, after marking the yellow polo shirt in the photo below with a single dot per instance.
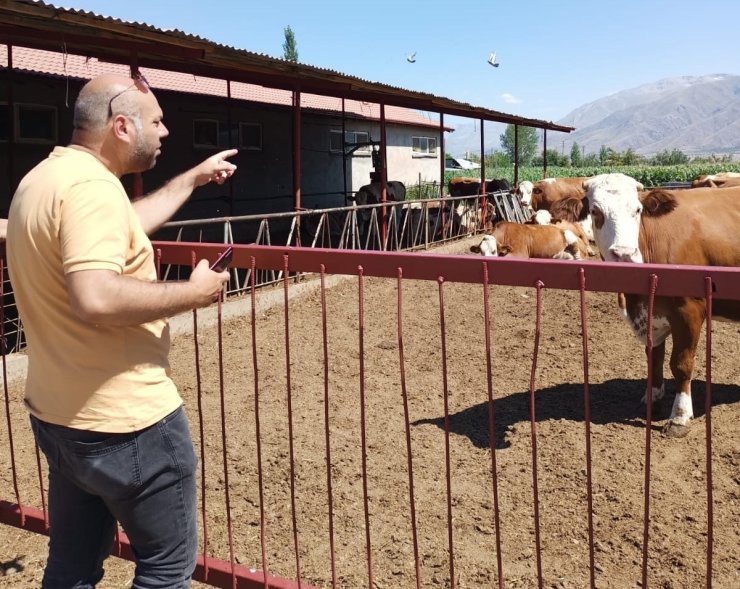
71 213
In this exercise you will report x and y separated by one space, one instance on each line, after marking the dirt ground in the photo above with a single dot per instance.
678 513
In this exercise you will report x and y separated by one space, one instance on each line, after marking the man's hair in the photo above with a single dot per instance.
93 109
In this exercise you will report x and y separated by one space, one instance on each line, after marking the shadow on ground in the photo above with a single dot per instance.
613 401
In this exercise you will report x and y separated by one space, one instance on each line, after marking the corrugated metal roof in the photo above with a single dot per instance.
76 66
36 24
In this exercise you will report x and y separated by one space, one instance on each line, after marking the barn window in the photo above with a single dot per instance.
351 139
424 146
33 123
205 133
250 136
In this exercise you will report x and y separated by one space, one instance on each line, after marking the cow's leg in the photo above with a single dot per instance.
686 325
658 383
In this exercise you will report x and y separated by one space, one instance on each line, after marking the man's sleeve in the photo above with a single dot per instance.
94 227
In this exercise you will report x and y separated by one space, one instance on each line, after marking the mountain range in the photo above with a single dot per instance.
698 115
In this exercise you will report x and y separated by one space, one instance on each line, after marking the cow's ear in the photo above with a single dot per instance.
639 185
475 249
657 202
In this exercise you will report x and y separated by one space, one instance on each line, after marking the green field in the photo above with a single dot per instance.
649 176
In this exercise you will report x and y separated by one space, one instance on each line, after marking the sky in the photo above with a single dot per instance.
554 56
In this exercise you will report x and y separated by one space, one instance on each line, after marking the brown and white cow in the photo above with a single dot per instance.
548 195
544 217
547 192
529 241
467 186
721 179
694 226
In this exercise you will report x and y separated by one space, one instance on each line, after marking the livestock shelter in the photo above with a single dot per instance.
290 119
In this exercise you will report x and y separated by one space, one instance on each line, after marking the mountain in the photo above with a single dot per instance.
695 114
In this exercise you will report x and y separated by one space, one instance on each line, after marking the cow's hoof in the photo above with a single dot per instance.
675 430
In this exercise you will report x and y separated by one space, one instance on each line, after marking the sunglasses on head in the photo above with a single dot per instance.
138 78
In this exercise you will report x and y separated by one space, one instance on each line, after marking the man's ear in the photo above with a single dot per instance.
122 126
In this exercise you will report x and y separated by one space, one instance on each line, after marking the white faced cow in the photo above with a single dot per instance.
695 226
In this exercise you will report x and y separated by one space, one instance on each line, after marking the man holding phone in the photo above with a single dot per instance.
103 407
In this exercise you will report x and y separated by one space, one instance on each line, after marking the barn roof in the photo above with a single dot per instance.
39 25
50 63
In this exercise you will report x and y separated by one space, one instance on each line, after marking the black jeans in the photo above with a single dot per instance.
145 480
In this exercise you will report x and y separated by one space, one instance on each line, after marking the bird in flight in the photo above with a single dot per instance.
492 60
411 58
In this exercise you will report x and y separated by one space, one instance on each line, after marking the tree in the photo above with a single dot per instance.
670 158
604 154
497 159
527 143
554 158
576 157
290 52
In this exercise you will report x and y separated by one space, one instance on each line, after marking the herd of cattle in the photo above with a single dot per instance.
696 226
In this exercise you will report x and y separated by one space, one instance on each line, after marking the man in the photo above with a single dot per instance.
103 408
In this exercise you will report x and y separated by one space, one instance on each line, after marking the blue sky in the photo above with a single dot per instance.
554 56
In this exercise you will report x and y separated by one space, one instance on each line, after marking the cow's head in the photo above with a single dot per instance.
615 208
525 192
487 246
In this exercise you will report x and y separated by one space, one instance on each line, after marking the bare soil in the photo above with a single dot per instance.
678 512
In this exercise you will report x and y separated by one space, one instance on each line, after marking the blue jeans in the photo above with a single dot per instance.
144 479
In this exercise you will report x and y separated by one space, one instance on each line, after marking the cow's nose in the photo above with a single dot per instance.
623 253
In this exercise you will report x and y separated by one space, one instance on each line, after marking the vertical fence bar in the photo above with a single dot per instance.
289 389
648 427
201 435
587 419
448 461
708 426
407 424
492 427
255 370
533 427
363 432
330 495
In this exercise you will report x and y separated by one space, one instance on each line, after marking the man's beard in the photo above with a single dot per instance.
143 157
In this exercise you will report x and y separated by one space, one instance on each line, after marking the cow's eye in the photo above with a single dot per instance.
638 211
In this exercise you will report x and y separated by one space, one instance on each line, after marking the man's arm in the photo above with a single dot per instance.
103 297
157 208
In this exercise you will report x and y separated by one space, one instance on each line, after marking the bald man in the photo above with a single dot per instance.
103 407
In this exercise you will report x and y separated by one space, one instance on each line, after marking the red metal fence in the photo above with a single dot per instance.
261 490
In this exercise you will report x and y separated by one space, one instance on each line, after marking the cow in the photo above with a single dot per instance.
662 227
466 186
370 193
529 241
524 192
723 179
716 180
543 217
550 190
468 217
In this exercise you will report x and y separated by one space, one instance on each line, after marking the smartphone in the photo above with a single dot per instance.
223 260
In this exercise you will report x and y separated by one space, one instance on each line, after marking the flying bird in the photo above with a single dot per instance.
411 58
492 59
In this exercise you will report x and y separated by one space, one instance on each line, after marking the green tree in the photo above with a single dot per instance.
604 154
670 158
527 143
554 158
290 52
631 157
497 159
576 157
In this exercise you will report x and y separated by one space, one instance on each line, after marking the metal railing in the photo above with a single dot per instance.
422 467
391 226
